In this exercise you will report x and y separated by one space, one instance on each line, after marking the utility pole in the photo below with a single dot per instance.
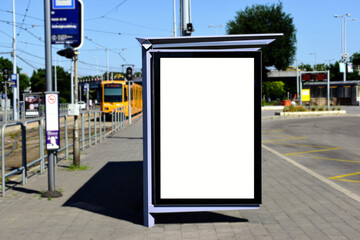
174 21
56 75
186 27
15 89
49 88
72 81
76 152
6 78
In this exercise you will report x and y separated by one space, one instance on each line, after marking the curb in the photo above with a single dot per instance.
264 108
310 113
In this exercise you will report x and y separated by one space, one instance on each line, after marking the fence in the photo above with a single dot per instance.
93 133
8 116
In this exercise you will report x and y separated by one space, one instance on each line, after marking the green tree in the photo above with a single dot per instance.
355 58
23 78
273 90
268 19
306 67
63 84
38 82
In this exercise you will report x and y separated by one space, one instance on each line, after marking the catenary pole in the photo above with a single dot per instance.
49 87
76 152
15 91
174 21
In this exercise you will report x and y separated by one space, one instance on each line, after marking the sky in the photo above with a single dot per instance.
115 24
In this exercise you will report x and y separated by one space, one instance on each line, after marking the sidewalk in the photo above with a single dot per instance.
105 202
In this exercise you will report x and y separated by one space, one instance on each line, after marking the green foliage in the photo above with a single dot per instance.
38 82
306 67
268 19
24 79
273 90
272 103
355 58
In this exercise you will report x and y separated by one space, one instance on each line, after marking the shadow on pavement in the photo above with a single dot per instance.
116 191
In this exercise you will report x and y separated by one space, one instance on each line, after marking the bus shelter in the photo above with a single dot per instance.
341 93
202 123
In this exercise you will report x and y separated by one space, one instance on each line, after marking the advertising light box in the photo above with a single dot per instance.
206 128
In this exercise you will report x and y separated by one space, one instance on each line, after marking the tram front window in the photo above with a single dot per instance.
113 93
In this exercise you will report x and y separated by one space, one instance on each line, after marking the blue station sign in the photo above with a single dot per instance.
65 22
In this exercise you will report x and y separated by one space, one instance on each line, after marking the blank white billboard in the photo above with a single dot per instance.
207 128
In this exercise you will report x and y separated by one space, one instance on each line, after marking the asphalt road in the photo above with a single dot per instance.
329 146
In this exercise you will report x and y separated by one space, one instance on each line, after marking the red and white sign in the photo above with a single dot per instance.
51 99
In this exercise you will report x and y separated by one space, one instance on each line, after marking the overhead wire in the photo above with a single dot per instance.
26 11
112 9
11 12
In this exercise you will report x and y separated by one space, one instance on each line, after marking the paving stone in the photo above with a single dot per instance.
105 202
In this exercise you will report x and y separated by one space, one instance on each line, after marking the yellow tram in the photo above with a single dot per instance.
115 94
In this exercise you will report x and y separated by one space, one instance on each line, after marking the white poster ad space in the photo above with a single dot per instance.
207 128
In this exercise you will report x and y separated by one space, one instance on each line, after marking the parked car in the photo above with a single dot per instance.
82 104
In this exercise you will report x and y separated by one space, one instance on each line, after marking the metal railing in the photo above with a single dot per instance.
96 128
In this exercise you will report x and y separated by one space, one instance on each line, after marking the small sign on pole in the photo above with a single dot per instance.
67 22
342 67
14 80
52 120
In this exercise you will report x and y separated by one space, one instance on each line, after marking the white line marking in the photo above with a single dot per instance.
316 175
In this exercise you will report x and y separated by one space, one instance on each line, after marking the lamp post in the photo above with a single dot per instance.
343 37
217 26
346 19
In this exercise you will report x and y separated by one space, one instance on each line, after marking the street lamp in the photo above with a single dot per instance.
346 19
217 26
344 55
314 53
342 33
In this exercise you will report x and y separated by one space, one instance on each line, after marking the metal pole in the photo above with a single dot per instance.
328 89
129 102
76 137
15 98
300 90
72 82
6 117
87 96
56 75
174 21
107 64
297 80
49 87
344 48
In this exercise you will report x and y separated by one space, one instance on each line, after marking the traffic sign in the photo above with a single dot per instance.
52 120
66 22
13 80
